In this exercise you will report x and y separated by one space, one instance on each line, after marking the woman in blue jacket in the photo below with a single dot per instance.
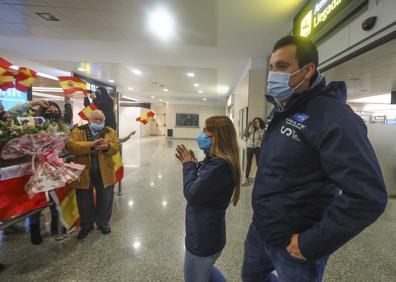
209 187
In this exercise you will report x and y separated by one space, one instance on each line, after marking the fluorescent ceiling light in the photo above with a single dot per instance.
137 72
129 98
152 97
378 99
161 24
165 89
190 74
223 89
196 84
161 100
48 96
81 69
111 81
130 88
48 89
204 99
14 67
47 76
200 91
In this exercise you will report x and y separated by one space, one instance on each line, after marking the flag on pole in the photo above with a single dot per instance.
6 80
118 167
24 79
4 65
84 114
71 84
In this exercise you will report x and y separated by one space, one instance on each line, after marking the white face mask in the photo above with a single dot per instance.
278 85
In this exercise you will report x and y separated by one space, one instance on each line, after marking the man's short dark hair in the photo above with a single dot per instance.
306 52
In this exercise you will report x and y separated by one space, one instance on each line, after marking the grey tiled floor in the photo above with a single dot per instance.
147 241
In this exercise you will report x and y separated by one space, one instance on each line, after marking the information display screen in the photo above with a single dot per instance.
318 17
187 120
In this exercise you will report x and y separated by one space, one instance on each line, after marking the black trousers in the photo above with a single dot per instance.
89 213
249 158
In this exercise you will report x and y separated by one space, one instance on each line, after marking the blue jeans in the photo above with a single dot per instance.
260 260
201 269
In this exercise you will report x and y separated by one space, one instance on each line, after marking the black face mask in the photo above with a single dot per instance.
52 116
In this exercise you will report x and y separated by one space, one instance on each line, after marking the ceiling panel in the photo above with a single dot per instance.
80 4
124 20
9 14
27 2
85 18
9 29
31 11
372 73
75 33
40 31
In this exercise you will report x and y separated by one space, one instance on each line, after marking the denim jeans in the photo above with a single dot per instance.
201 269
261 260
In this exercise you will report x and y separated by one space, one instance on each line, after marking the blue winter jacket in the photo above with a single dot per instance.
318 174
208 189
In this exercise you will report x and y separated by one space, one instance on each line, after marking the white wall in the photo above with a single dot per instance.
203 111
128 121
352 34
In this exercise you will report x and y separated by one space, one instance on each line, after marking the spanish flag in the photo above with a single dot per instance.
84 114
6 80
24 79
118 167
4 65
72 84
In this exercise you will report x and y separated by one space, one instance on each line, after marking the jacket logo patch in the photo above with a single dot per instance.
286 131
289 133
299 117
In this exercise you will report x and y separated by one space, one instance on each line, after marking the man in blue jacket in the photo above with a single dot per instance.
319 183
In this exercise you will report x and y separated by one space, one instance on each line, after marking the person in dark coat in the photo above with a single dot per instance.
105 103
209 187
319 183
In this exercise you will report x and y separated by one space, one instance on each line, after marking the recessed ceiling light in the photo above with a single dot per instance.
161 100
165 89
190 74
130 88
137 72
161 23
204 99
111 80
152 97
200 91
48 17
81 69
196 84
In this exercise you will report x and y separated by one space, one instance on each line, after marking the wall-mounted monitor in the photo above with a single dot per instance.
187 120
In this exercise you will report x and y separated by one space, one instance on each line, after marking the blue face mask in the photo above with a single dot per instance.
204 142
96 127
278 85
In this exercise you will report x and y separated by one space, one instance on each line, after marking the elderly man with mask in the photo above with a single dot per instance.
94 144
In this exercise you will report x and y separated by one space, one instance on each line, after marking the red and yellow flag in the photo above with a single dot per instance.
4 65
84 114
24 79
118 167
6 80
71 84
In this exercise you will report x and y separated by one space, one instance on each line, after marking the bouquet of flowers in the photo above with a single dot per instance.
9 129
49 171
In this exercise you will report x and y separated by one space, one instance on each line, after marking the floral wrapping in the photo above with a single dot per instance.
49 171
